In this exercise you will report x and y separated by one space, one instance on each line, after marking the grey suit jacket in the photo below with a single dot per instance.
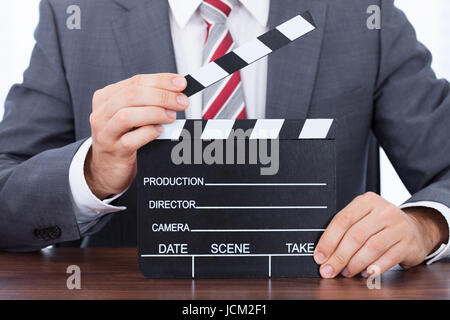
370 80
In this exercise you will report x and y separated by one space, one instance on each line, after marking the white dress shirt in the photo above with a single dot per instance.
246 21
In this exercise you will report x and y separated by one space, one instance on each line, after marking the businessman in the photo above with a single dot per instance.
93 95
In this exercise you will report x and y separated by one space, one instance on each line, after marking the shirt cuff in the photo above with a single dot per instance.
444 249
88 206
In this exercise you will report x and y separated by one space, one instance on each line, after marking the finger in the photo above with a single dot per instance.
355 237
143 96
167 81
129 118
389 259
135 139
373 249
342 221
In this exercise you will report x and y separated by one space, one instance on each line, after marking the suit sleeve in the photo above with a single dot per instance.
412 111
37 145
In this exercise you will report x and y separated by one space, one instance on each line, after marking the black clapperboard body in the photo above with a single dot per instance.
229 220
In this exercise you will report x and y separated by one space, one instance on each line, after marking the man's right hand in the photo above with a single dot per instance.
126 116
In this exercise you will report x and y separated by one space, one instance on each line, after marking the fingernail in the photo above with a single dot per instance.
179 82
327 271
345 272
320 257
171 114
182 100
159 128
364 274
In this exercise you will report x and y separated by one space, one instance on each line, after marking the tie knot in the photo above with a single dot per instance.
216 11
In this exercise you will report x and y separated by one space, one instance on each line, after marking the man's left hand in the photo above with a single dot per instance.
372 231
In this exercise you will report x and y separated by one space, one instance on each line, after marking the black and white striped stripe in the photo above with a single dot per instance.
252 51
260 129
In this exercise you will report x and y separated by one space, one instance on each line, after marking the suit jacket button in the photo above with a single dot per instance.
54 232
41 234
38 233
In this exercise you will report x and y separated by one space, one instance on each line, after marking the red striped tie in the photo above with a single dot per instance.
225 99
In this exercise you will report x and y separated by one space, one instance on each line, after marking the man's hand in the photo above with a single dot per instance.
372 231
126 116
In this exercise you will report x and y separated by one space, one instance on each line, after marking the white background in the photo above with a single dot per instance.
18 18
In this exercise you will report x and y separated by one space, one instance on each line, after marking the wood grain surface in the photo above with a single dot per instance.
112 273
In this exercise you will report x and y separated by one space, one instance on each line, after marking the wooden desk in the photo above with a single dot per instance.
113 274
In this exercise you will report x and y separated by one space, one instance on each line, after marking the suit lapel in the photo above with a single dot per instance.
292 70
144 38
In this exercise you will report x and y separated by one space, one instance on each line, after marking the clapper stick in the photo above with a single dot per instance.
249 53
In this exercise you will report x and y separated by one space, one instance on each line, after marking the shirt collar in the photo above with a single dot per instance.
183 10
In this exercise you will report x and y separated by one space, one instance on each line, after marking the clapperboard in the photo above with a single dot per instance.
236 198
